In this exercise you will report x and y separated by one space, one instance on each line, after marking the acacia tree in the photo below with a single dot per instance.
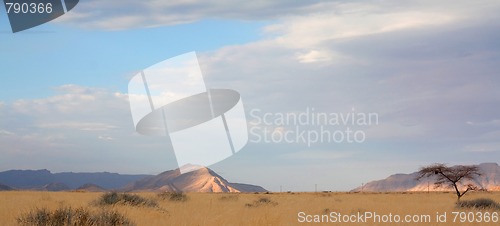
450 176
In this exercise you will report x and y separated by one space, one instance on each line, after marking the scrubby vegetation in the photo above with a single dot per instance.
173 196
482 203
261 202
229 198
112 198
67 216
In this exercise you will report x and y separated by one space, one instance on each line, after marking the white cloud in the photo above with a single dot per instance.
5 132
73 109
85 126
315 56
71 100
341 19
311 30
60 132
17 144
487 147
126 14
405 63
494 122
337 23
105 138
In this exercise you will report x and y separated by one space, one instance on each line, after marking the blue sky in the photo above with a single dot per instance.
63 54
430 71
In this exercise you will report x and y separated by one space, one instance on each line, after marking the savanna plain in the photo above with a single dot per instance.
229 209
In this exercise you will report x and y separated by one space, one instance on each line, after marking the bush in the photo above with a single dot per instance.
112 198
106 217
261 202
109 198
173 196
229 198
264 201
479 204
67 216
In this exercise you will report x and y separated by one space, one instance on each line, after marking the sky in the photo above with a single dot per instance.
428 69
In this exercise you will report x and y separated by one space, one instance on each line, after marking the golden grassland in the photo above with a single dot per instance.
230 209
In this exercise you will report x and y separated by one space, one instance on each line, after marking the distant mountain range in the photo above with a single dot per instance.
5 188
38 179
488 180
200 180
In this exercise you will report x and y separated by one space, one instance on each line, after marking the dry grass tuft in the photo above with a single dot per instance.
262 201
67 216
112 198
173 196
482 203
229 198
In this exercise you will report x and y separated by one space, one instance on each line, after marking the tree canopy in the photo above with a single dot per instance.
451 176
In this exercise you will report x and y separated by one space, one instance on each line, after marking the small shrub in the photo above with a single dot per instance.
173 196
324 194
112 198
135 200
264 200
478 204
229 198
261 202
109 198
67 216
106 217
36 217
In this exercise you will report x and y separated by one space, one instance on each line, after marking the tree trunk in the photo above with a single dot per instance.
457 191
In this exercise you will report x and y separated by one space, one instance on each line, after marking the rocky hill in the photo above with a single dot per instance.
200 180
488 180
